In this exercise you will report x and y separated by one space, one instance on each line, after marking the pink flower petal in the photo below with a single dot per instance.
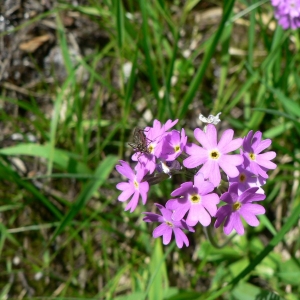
211 134
179 213
167 236
125 195
229 224
253 208
125 170
214 176
173 204
256 140
184 188
232 146
205 187
151 217
193 215
132 204
201 137
180 238
198 179
122 186
197 156
221 214
267 155
210 203
249 217
238 225
160 230
263 145
226 138
167 214
207 168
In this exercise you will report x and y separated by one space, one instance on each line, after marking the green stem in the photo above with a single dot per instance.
209 234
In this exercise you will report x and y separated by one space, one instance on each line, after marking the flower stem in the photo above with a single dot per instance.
209 234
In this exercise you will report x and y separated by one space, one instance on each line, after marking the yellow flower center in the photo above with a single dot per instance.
242 177
170 224
236 206
195 198
214 154
151 148
252 156
136 184
177 148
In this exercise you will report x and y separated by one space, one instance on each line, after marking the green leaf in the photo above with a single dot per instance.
157 267
64 160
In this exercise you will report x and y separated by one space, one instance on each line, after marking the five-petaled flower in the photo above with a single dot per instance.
168 226
214 155
258 163
135 186
239 206
196 199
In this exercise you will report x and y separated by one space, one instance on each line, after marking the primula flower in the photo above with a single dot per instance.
154 137
196 199
213 155
239 206
134 187
246 179
287 12
258 163
168 226
173 145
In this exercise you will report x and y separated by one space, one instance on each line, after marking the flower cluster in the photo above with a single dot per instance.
287 12
161 152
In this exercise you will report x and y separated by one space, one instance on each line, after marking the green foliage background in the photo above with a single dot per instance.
60 218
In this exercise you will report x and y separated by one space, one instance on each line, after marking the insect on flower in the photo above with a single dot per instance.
140 142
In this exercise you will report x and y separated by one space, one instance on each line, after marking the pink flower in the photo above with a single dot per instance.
246 179
154 138
135 187
287 12
258 163
239 206
196 199
213 155
168 226
173 145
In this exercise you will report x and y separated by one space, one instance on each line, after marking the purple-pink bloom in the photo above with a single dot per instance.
239 206
154 136
246 179
135 187
214 155
258 163
287 12
173 145
168 226
196 199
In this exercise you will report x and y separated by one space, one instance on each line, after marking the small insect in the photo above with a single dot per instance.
140 141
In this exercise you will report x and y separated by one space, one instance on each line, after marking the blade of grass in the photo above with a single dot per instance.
14 177
150 63
87 192
65 160
157 269
188 98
